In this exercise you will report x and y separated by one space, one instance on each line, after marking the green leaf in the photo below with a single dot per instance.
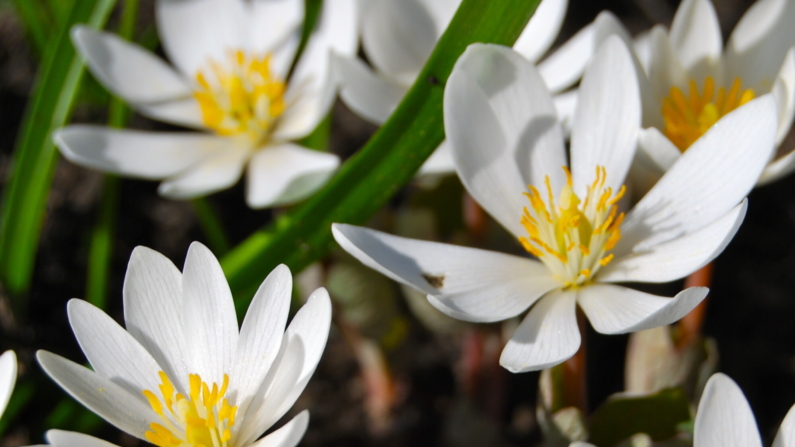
101 246
35 156
386 163
657 415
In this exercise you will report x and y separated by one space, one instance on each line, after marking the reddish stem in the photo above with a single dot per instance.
690 325
575 390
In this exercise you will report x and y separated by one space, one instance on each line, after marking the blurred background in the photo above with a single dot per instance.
395 372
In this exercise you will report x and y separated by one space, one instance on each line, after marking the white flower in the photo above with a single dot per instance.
501 124
724 419
694 81
182 373
231 60
8 377
399 36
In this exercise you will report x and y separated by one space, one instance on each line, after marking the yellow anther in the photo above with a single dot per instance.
556 228
687 119
241 97
203 419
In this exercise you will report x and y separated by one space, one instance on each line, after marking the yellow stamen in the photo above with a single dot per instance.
556 228
240 98
202 420
687 119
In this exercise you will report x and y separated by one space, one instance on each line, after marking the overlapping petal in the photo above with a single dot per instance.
217 172
495 99
547 336
615 309
467 283
286 173
369 95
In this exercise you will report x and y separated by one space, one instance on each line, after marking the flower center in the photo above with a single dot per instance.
241 97
687 118
201 419
572 237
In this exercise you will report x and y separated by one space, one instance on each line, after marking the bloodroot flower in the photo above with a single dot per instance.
230 79
182 374
509 153
695 81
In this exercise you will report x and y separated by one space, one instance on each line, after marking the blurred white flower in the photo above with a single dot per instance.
230 79
398 36
8 377
182 373
694 81
502 127
724 419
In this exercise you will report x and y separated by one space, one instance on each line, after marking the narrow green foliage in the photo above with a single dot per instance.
101 247
386 163
35 157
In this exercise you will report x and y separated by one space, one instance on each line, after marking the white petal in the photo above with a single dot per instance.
665 71
696 37
287 173
547 336
369 95
184 112
208 315
398 37
261 335
302 347
564 67
778 169
467 283
618 310
607 120
566 106
8 377
62 438
289 435
99 394
148 155
658 149
501 125
542 30
112 351
786 433
215 173
760 42
724 418
152 294
195 31
708 180
678 257
784 92
272 21
311 89
126 69
440 162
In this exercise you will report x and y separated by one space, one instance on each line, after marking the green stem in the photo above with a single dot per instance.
387 162
101 249
211 225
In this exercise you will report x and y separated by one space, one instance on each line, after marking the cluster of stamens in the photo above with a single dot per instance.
242 97
572 237
204 418
688 118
